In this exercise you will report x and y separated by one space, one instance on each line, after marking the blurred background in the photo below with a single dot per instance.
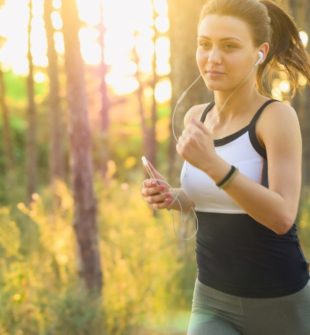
86 88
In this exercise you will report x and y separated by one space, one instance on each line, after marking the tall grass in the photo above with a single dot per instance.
40 290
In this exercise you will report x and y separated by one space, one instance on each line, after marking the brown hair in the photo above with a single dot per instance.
268 23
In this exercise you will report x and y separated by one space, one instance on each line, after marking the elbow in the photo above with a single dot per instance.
284 223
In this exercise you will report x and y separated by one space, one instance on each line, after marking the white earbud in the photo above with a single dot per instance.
260 58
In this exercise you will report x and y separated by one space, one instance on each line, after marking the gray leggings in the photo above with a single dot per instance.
218 313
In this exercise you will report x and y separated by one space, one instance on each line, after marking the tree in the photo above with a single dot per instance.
148 109
55 113
31 146
7 137
105 102
140 100
84 224
151 138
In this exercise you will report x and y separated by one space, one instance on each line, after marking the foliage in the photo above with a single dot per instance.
40 291
140 256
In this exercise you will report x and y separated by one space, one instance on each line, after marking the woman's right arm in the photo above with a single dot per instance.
158 193
160 196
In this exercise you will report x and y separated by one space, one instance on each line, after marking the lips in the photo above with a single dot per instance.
213 72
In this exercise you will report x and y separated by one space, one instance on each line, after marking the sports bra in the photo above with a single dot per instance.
241 149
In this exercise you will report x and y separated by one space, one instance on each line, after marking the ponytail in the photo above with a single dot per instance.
268 23
287 52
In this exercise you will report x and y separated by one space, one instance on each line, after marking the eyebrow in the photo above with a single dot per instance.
222 39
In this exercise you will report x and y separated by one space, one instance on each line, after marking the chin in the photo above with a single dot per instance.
214 86
217 86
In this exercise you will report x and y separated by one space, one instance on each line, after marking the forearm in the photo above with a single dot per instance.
265 205
180 201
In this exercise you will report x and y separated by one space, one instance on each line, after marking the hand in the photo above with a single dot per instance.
196 146
157 191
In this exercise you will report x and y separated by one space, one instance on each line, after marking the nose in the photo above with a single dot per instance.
214 56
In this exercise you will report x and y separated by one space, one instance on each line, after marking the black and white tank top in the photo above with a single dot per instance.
241 149
235 253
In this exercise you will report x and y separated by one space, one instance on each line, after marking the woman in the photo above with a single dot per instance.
242 175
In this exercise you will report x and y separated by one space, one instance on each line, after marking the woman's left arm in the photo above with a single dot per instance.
276 206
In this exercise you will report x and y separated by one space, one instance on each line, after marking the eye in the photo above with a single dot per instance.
204 44
229 46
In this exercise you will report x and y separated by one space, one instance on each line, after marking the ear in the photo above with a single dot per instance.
260 58
263 50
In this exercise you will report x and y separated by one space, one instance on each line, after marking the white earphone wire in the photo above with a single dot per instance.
179 100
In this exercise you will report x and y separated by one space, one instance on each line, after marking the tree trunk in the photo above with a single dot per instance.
140 100
7 139
148 110
105 102
151 133
85 205
183 16
56 123
31 164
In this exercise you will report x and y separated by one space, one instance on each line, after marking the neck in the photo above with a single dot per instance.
230 103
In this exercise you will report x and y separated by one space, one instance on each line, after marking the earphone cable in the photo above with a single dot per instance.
179 100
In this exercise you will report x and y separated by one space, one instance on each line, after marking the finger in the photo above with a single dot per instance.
191 132
157 189
180 150
151 182
186 134
199 125
191 135
166 203
161 198
156 199
182 139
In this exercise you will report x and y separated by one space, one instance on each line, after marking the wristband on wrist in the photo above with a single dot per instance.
228 178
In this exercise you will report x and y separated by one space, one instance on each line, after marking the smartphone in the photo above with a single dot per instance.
145 163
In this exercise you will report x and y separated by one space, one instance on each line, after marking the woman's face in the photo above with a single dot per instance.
225 54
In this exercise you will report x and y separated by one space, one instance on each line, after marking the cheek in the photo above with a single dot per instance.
239 65
201 58
248 68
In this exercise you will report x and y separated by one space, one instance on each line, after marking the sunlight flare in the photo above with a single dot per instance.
126 32
163 91
304 38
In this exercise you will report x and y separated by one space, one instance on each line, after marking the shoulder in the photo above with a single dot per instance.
278 121
195 112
